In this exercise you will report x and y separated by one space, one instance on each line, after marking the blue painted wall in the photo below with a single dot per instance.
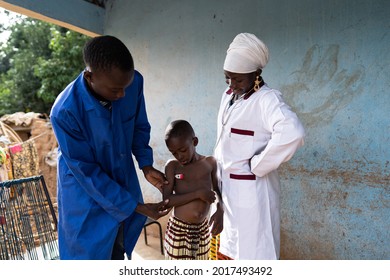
331 61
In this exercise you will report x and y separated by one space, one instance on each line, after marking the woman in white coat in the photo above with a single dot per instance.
257 131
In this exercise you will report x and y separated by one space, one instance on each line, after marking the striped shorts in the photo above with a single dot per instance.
184 241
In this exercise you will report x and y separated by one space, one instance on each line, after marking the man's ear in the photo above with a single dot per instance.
196 141
87 75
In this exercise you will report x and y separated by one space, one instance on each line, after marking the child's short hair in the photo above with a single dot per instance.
104 52
179 128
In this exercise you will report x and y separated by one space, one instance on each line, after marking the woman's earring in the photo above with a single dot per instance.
257 83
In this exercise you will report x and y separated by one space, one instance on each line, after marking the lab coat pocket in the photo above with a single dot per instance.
241 142
244 191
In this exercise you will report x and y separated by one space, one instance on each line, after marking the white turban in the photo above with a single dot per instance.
246 54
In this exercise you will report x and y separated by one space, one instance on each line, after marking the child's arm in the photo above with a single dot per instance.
181 199
216 220
214 178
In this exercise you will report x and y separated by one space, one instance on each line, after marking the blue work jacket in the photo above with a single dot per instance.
97 183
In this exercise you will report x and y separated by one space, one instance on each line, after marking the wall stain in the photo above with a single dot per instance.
323 217
372 179
327 215
292 249
320 88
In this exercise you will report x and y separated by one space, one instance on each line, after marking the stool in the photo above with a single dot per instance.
148 222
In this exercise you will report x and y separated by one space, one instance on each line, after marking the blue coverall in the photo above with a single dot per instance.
97 183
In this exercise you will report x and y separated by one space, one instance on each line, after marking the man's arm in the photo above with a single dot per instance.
153 210
155 177
141 137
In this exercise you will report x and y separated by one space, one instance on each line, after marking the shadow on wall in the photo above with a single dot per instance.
320 88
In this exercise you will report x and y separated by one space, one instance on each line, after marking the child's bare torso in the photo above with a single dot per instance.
189 178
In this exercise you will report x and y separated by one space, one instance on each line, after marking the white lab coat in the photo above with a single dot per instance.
255 135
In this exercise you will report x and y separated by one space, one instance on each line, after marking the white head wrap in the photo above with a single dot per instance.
246 54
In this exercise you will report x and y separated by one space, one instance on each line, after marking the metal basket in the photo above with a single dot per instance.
28 223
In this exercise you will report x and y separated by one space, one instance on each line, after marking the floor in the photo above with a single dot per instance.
151 251
142 251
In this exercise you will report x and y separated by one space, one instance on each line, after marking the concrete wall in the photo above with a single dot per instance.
331 60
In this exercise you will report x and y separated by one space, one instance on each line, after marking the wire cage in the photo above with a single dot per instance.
28 223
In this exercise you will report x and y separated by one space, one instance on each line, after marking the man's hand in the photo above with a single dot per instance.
154 210
155 177
216 221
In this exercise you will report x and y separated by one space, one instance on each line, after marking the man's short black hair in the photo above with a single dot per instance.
104 52
179 128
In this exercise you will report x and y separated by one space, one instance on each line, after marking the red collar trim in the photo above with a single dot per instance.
260 86
248 95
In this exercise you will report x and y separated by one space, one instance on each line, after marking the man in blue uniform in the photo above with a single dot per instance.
100 123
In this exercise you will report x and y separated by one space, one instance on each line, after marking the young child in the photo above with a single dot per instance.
192 181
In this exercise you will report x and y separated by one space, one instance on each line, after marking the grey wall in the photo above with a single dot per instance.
331 61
